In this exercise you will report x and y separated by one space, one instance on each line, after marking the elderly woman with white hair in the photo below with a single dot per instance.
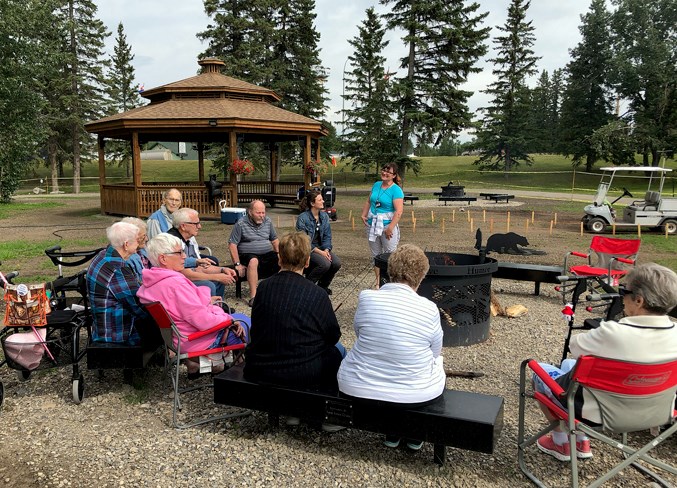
396 361
139 260
645 335
112 286
190 306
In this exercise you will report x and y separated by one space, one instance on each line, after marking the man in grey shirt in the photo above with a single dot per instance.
253 246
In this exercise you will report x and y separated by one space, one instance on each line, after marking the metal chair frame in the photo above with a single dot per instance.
635 382
174 356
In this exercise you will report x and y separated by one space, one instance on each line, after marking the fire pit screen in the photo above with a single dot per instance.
460 286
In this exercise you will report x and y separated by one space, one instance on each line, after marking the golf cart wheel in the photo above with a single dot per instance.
597 225
23 375
78 389
670 226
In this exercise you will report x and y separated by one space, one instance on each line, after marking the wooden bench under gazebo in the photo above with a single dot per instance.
207 108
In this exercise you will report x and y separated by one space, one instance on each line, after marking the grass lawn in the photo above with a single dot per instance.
551 172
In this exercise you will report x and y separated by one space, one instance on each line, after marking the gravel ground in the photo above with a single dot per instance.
121 436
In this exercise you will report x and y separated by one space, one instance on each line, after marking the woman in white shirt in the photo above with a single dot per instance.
396 359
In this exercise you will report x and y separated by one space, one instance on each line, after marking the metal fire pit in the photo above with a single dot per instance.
460 286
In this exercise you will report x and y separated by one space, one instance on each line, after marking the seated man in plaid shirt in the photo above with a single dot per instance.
112 286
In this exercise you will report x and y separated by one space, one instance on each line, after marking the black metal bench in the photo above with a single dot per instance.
456 199
408 197
497 198
111 355
489 195
464 420
529 272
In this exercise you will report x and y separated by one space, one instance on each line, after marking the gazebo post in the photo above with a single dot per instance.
232 149
318 158
102 166
306 163
136 168
201 162
273 160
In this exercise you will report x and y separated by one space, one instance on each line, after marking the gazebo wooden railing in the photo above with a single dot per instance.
124 199
273 192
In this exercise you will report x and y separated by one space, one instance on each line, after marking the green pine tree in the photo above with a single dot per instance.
122 93
645 55
503 135
84 70
587 101
444 39
370 134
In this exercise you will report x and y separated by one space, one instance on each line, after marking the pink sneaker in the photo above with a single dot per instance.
583 450
548 446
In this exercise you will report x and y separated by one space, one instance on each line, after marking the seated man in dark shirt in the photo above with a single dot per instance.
199 270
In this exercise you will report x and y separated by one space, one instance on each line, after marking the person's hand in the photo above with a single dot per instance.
204 262
388 232
215 299
364 220
229 271
238 330
327 254
240 270
226 279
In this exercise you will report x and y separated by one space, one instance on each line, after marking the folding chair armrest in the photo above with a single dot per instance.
547 402
580 254
201 333
624 260
215 350
574 253
555 388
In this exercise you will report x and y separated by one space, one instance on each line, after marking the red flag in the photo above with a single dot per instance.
333 160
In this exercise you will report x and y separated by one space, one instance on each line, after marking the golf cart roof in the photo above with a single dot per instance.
652 169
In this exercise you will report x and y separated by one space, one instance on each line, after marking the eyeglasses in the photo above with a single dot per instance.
143 238
385 171
174 200
193 223
622 291
178 253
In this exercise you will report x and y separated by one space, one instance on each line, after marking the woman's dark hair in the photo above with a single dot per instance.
395 170
309 198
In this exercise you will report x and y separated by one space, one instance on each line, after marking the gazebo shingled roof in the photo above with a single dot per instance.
209 107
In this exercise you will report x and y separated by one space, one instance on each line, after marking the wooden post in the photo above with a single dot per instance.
413 217
666 231
639 231
555 220
484 215
507 224
532 216
350 216
353 220
200 162
102 171
443 220
453 215
469 219
581 228
432 216
232 149
136 166
472 224
414 226
551 224
613 229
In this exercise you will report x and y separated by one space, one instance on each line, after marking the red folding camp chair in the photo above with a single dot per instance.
174 356
605 258
631 397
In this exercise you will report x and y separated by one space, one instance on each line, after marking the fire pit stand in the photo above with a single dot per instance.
460 286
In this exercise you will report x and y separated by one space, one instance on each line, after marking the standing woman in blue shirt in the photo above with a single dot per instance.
381 213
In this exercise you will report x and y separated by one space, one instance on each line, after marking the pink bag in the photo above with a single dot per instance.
25 349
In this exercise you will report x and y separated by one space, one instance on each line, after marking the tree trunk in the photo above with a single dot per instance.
53 164
76 160
74 91
406 121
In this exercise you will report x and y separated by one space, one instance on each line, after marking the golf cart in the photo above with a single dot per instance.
653 210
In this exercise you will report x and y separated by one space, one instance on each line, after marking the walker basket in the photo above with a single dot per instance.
26 350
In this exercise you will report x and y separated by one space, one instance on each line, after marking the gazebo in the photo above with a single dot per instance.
207 108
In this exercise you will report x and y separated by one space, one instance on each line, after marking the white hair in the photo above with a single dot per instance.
162 244
137 222
183 215
121 232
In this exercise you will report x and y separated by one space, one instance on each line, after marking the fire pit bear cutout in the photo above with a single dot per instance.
510 243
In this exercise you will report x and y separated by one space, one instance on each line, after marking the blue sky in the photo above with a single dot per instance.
162 34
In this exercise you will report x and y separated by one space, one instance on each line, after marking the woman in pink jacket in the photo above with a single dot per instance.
190 306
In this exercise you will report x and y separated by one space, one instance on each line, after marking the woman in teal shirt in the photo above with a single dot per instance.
381 213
